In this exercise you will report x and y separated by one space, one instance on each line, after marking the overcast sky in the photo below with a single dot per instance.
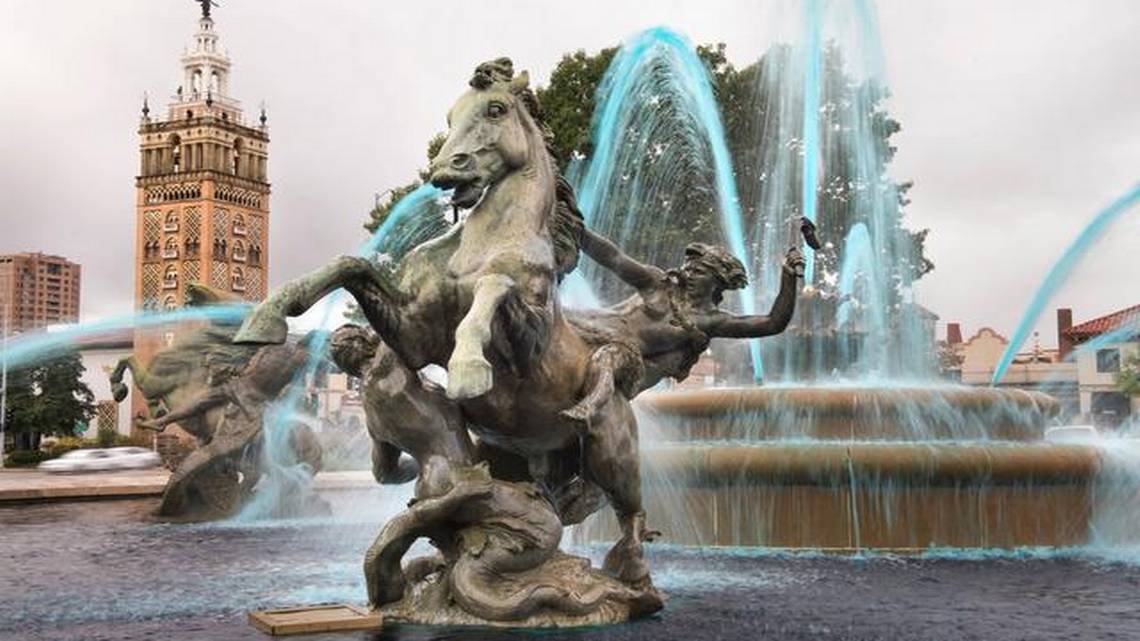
1020 121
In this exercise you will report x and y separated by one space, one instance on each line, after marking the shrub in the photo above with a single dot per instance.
106 435
26 458
66 444
125 440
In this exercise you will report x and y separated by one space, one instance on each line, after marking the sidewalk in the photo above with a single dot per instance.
33 485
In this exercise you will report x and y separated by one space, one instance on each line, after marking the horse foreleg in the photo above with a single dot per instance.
469 373
266 324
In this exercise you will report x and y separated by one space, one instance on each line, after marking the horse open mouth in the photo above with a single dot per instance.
466 195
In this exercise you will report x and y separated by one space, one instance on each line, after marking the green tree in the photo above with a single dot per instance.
48 398
568 101
1128 378
751 111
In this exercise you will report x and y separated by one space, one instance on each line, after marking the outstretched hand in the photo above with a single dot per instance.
149 424
794 261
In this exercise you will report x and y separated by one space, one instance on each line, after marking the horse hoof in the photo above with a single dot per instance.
625 562
263 327
468 378
119 392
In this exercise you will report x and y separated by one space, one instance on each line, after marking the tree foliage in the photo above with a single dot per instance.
749 112
1128 378
568 101
48 398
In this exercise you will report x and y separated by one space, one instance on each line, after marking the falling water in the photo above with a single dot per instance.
859 266
821 155
813 72
657 125
286 478
1059 273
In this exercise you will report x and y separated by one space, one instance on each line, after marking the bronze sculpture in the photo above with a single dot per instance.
214 479
544 392
202 382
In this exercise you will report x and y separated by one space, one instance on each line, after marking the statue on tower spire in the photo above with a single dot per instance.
206 6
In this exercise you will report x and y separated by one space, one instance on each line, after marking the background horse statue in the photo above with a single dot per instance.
185 369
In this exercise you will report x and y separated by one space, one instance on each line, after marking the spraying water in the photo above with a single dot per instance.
39 346
657 124
1059 273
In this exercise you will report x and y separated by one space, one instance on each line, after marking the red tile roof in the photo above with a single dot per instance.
1098 326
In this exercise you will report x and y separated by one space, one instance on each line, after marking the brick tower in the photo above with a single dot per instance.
202 198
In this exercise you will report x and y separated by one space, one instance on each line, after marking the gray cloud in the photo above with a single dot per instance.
1020 121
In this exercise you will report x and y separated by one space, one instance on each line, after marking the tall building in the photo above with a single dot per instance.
37 290
202 197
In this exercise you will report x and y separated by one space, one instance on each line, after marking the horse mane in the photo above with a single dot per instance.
568 225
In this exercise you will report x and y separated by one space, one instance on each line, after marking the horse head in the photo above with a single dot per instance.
493 131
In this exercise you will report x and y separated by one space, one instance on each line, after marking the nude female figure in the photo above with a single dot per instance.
664 328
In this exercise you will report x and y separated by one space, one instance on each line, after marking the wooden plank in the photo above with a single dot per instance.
319 618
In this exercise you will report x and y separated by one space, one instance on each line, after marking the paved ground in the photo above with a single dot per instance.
103 571
31 485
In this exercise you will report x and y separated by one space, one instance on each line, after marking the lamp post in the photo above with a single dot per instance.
3 384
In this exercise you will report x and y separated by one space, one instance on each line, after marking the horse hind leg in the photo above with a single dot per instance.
266 324
611 461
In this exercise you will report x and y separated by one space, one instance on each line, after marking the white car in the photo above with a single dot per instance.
1072 434
95 460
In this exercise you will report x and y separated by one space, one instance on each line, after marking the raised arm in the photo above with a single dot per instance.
726 325
611 257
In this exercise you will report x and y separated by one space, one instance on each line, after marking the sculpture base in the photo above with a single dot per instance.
428 600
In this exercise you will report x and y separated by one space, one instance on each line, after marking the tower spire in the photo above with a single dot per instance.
206 73
206 5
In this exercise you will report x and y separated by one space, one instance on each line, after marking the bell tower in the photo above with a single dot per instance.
202 198
201 194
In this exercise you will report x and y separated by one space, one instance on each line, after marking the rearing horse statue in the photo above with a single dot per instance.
439 306
481 299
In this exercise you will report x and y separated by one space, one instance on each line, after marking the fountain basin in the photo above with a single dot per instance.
849 413
881 496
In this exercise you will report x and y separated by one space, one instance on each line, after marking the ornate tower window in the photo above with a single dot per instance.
239 225
237 279
171 222
175 152
170 249
170 277
239 250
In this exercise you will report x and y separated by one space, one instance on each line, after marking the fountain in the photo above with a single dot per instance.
851 445
856 445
